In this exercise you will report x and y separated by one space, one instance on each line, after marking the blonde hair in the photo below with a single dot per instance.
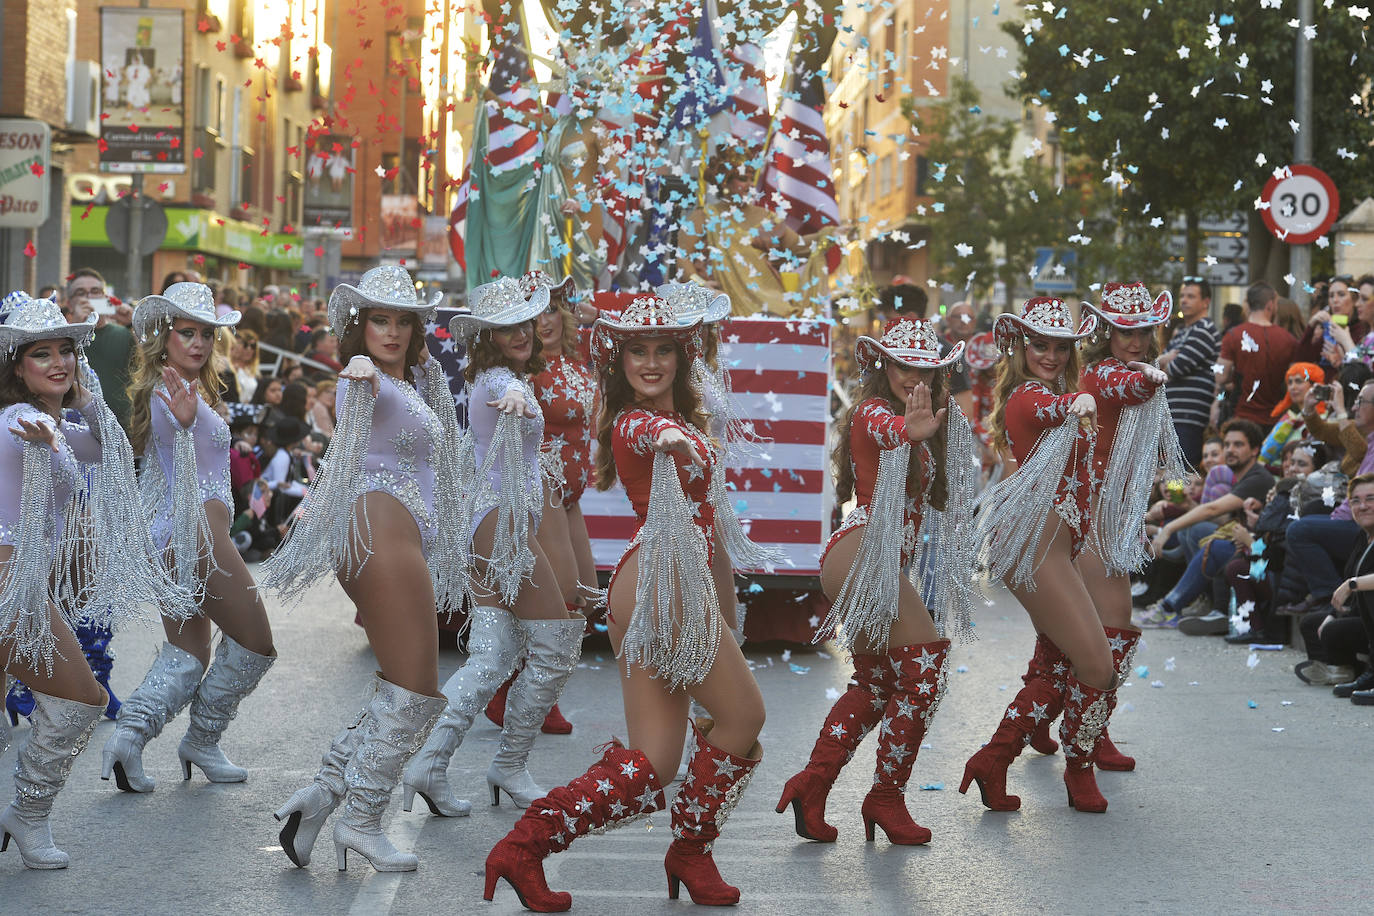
568 343
1012 372
149 360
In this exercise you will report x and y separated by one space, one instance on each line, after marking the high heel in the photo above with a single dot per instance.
520 787
166 689
233 674
849 720
1123 645
1085 715
496 795
1109 756
990 773
988 767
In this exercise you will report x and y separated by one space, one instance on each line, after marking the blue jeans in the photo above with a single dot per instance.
1318 547
1203 567
1182 546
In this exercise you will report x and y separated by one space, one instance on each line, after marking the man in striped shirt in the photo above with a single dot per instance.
1189 361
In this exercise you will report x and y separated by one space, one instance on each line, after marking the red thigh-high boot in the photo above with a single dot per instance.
1085 715
618 788
850 719
715 781
989 766
1123 643
1052 666
496 706
920 685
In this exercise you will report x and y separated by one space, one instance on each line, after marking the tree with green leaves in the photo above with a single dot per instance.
1185 105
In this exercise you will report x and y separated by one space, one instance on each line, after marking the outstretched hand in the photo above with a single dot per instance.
513 402
361 369
921 421
180 396
1150 372
675 440
1085 408
36 431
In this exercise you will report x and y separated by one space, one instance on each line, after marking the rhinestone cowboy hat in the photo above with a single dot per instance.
693 302
910 342
194 301
1042 315
498 304
385 287
1128 305
27 320
645 316
982 352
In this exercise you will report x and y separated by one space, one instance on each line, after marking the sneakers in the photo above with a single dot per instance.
1155 617
1201 605
1320 674
1214 623
1348 687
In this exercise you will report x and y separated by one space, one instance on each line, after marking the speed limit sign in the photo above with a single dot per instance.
1303 204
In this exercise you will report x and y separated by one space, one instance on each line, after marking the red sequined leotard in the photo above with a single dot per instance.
1033 409
567 393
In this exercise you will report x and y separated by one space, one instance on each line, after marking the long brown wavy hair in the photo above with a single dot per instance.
1099 346
483 354
149 360
1011 372
875 385
616 394
354 340
14 391
567 345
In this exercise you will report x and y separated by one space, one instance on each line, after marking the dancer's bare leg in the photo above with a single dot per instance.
582 546
555 539
1111 594
70 677
540 598
913 625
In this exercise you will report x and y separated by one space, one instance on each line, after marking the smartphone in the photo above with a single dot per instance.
102 306
1323 392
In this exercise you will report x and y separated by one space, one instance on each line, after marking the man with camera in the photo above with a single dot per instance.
112 347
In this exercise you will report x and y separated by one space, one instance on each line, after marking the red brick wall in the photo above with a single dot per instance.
34 55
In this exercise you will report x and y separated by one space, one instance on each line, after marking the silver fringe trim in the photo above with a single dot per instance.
24 576
191 538
124 570
1144 432
677 644
868 602
554 473
449 556
730 534
1013 515
946 548
330 536
737 436
511 560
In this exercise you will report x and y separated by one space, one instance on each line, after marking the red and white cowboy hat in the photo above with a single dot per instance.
982 352
1128 305
909 341
534 280
1045 316
646 316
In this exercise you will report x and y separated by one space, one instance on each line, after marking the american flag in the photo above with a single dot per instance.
797 170
749 114
458 219
452 357
257 502
513 135
780 373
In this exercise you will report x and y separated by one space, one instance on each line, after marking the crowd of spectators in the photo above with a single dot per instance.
279 402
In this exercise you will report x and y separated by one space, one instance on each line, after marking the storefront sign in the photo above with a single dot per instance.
25 157
141 82
205 231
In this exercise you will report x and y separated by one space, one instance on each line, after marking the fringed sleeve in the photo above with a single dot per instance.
121 565
448 561
25 574
867 602
192 559
731 536
946 547
330 536
511 560
1145 441
736 434
676 643
1013 515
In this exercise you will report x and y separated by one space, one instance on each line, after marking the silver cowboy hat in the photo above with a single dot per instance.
27 320
385 287
194 301
694 302
1045 316
498 304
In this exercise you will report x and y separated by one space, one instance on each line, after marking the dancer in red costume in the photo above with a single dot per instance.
665 624
1134 428
906 454
1032 526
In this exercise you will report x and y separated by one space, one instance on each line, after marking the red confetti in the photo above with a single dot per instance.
37 169
29 250
197 153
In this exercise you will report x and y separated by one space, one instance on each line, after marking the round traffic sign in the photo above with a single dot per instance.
1303 204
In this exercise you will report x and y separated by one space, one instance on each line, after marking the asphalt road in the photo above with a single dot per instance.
1252 794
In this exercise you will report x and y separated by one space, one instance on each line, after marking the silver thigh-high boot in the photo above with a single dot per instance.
398 722
554 648
61 729
4 726
306 811
495 644
233 674
165 691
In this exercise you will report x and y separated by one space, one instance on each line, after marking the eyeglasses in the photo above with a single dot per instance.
1362 402
1361 500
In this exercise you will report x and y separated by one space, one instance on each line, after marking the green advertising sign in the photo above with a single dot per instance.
190 229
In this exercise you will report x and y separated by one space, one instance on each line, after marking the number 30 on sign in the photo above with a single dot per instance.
1303 204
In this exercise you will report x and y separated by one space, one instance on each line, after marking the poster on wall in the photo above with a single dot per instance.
141 82
329 184
400 224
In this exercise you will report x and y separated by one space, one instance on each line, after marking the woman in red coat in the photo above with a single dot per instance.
1133 429
905 454
1032 527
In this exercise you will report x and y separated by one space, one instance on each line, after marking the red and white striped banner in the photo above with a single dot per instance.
780 372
